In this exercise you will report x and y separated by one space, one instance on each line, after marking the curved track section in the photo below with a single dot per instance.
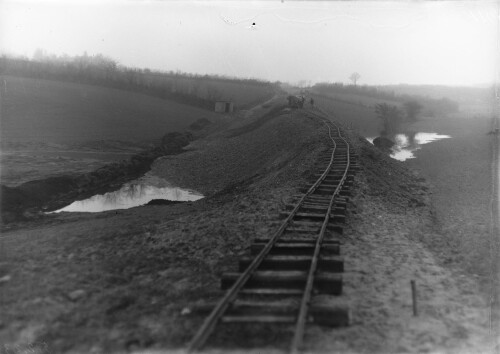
277 281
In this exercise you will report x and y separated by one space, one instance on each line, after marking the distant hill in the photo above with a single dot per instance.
464 95
359 117
434 102
359 99
196 90
38 110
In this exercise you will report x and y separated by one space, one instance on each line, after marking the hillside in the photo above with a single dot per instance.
51 128
359 117
244 93
464 94
196 90
130 280
434 101
359 99
55 112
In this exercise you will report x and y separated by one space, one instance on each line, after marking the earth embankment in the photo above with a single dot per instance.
255 150
79 281
131 280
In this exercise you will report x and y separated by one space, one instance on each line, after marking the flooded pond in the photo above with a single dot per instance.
407 144
132 194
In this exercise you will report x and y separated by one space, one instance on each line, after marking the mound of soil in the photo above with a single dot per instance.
258 145
392 180
383 143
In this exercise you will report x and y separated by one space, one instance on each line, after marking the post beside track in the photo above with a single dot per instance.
287 263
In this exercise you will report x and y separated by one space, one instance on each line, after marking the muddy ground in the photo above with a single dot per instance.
459 173
131 280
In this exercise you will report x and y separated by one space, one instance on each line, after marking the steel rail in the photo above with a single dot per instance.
211 321
304 306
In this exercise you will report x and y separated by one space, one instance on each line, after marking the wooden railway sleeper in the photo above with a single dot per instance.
296 248
333 264
325 282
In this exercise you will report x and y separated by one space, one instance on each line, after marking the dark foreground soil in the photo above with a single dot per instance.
132 280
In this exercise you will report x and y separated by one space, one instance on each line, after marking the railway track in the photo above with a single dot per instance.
276 283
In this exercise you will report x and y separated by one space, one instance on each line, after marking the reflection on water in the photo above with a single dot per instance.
132 194
406 144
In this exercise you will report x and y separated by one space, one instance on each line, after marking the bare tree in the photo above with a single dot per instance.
391 118
354 77
39 54
412 109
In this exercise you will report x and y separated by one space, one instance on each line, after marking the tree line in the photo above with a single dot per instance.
198 90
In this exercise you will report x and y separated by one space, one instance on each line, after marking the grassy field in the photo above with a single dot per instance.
243 94
51 127
62 112
360 118
361 100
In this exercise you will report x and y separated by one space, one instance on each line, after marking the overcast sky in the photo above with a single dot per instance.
441 42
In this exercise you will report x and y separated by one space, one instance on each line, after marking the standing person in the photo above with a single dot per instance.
312 102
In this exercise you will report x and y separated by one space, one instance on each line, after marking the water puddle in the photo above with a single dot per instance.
407 144
132 194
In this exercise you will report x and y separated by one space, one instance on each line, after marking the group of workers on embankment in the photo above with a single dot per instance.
298 101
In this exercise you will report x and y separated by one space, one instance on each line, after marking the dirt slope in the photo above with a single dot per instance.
251 151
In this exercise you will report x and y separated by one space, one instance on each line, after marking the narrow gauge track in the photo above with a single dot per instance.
276 283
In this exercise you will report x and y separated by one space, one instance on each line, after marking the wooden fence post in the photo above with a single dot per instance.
414 297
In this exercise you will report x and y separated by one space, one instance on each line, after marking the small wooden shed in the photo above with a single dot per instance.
224 106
